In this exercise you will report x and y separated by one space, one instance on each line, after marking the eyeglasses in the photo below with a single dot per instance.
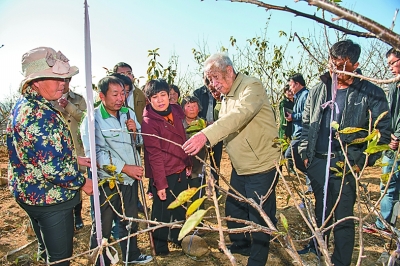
394 62
56 79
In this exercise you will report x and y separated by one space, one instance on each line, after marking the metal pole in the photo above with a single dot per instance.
146 214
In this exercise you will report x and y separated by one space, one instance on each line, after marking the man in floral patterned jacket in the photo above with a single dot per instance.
43 166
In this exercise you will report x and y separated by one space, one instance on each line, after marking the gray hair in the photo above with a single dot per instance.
219 60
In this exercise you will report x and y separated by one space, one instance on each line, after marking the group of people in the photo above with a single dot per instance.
231 109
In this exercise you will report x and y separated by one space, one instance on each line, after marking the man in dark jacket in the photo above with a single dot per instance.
352 101
207 112
297 85
392 193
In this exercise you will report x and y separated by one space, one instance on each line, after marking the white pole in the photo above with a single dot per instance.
90 119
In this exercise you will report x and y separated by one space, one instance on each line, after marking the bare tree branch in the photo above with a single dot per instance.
312 17
376 29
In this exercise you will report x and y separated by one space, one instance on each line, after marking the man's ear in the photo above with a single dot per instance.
230 71
356 65
102 96
35 84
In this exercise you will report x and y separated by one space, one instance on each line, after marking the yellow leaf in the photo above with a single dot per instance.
358 141
338 174
379 118
284 222
102 181
194 206
349 130
340 164
108 198
110 168
192 222
334 169
111 184
335 125
282 162
380 164
385 178
183 197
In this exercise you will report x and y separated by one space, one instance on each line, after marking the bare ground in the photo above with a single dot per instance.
15 233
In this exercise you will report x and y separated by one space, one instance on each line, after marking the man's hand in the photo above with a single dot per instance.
288 117
193 145
162 194
394 142
306 163
88 187
131 125
63 102
133 171
84 161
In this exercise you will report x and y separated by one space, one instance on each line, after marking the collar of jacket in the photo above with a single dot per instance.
176 111
71 94
299 93
235 85
105 114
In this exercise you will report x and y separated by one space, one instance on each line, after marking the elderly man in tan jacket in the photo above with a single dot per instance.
247 126
72 106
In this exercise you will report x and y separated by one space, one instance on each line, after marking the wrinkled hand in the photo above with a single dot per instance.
88 187
193 145
288 117
133 171
162 194
131 125
84 161
63 102
394 143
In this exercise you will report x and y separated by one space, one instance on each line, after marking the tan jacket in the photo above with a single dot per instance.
72 114
247 125
139 102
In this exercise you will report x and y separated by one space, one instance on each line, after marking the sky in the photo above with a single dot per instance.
124 30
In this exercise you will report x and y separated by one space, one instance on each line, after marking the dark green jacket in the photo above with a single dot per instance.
362 96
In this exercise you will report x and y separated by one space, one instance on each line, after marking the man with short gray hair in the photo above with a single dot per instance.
247 126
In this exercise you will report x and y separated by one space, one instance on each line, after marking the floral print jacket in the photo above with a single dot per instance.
43 168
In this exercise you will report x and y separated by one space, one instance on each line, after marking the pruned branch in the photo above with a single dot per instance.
375 29
382 33
312 17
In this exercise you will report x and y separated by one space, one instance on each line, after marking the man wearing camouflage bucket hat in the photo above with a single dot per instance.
43 166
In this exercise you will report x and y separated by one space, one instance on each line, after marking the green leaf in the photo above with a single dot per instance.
192 222
376 148
194 206
284 222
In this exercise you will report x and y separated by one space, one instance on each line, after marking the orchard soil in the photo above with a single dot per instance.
15 232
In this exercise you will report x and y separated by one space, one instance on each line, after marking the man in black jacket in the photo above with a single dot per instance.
208 103
351 103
